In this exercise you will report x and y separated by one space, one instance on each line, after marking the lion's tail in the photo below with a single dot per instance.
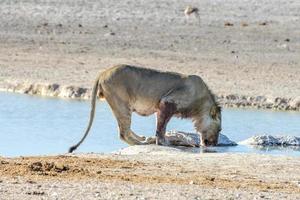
92 114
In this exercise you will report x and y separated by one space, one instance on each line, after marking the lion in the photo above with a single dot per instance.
129 89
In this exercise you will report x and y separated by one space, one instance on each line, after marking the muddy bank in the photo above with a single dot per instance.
229 100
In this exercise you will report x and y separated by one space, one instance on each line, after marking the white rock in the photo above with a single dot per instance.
269 140
179 138
295 103
175 140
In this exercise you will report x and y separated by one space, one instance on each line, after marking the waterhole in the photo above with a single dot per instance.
32 125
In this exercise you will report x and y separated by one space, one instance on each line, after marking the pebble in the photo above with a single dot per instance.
109 34
296 183
97 194
54 194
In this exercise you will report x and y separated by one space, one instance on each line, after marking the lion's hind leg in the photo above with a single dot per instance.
138 137
125 133
123 116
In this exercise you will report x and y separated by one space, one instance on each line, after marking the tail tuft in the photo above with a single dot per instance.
73 148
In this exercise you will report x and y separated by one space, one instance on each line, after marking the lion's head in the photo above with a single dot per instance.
210 135
208 124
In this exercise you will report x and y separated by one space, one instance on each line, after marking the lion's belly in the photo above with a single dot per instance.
144 108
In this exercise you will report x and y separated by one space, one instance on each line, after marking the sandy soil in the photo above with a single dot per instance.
69 42
159 174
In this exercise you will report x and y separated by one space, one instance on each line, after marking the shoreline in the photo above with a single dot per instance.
227 101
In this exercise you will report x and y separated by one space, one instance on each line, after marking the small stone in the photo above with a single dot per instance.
295 103
3 162
260 99
36 193
283 46
263 23
228 24
191 182
110 34
97 194
61 168
48 166
54 194
31 182
36 166
297 183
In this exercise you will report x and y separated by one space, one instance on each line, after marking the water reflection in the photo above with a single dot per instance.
275 148
290 150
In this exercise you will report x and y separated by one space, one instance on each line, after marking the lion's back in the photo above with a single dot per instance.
139 83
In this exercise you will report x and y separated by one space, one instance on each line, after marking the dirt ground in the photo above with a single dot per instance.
150 176
239 47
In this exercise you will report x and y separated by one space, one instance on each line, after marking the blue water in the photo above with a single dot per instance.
31 125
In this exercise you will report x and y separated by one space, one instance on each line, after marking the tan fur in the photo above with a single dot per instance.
129 89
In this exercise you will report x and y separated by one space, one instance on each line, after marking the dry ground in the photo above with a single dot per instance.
69 42
149 176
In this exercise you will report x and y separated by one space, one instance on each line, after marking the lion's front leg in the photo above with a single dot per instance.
164 114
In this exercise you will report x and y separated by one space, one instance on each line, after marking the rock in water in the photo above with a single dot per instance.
269 140
179 138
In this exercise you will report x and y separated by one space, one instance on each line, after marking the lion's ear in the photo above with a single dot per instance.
214 112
